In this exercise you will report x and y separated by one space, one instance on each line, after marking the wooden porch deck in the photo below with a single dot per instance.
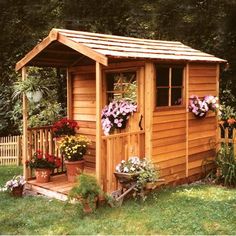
57 188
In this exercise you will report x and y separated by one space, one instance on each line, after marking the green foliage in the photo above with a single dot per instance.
226 112
150 174
226 164
188 210
203 24
31 84
45 113
5 112
86 188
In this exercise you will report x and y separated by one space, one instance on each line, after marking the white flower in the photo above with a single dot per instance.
126 169
118 168
132 168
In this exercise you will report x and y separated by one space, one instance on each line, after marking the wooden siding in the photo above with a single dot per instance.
169 143
84 109
182 148
202 132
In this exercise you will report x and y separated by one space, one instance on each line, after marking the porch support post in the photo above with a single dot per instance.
69 94
149 107
25 125
98 120
218 131
187 116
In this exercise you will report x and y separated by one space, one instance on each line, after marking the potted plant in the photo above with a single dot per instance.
16 186
73 148
64 127
87 191
34 88
116 114
43 165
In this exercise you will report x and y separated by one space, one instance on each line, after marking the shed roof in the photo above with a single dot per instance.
100 47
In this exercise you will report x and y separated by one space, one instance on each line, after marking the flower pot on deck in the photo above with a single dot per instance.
74 168
42 175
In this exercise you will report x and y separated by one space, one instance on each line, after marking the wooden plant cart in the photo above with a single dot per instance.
128 182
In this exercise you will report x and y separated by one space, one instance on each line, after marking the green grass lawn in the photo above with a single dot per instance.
198 209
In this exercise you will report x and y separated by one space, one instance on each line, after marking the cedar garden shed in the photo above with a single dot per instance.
163 75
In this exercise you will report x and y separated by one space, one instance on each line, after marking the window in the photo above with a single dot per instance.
169 84
121 86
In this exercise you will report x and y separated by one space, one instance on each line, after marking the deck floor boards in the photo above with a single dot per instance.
58 185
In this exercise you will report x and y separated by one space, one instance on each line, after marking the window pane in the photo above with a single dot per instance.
162 74
176 96
177 77
110 82
123 85
162 96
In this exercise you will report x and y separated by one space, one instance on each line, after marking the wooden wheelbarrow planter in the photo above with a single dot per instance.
128 183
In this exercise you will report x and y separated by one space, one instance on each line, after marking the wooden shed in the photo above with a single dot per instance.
164 74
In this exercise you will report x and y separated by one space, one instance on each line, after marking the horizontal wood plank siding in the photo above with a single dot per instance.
84 109
169 131
169 143
202 132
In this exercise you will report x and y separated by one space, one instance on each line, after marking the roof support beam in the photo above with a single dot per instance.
37 49
83 49
98 120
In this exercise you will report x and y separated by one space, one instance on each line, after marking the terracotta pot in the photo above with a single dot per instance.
89 207
17 191
74 168
42 175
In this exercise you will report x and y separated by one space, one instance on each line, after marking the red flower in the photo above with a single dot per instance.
40 156
51 159
58 162
231 121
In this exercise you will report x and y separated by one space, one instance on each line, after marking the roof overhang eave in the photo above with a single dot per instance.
54 35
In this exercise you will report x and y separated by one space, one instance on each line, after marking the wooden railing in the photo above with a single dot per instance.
118 147
10 150
41 138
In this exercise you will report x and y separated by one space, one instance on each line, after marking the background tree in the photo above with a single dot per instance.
206 25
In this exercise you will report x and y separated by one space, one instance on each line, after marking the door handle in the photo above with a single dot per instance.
140 122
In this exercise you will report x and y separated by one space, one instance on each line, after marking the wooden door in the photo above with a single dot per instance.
124 143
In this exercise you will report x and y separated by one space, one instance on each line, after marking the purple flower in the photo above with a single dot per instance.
115 113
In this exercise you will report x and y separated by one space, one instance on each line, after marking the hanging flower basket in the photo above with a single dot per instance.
199 107
35 96
116 114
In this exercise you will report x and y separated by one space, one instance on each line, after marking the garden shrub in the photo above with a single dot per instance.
226 165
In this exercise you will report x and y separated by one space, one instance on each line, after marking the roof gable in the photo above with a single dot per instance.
100 47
